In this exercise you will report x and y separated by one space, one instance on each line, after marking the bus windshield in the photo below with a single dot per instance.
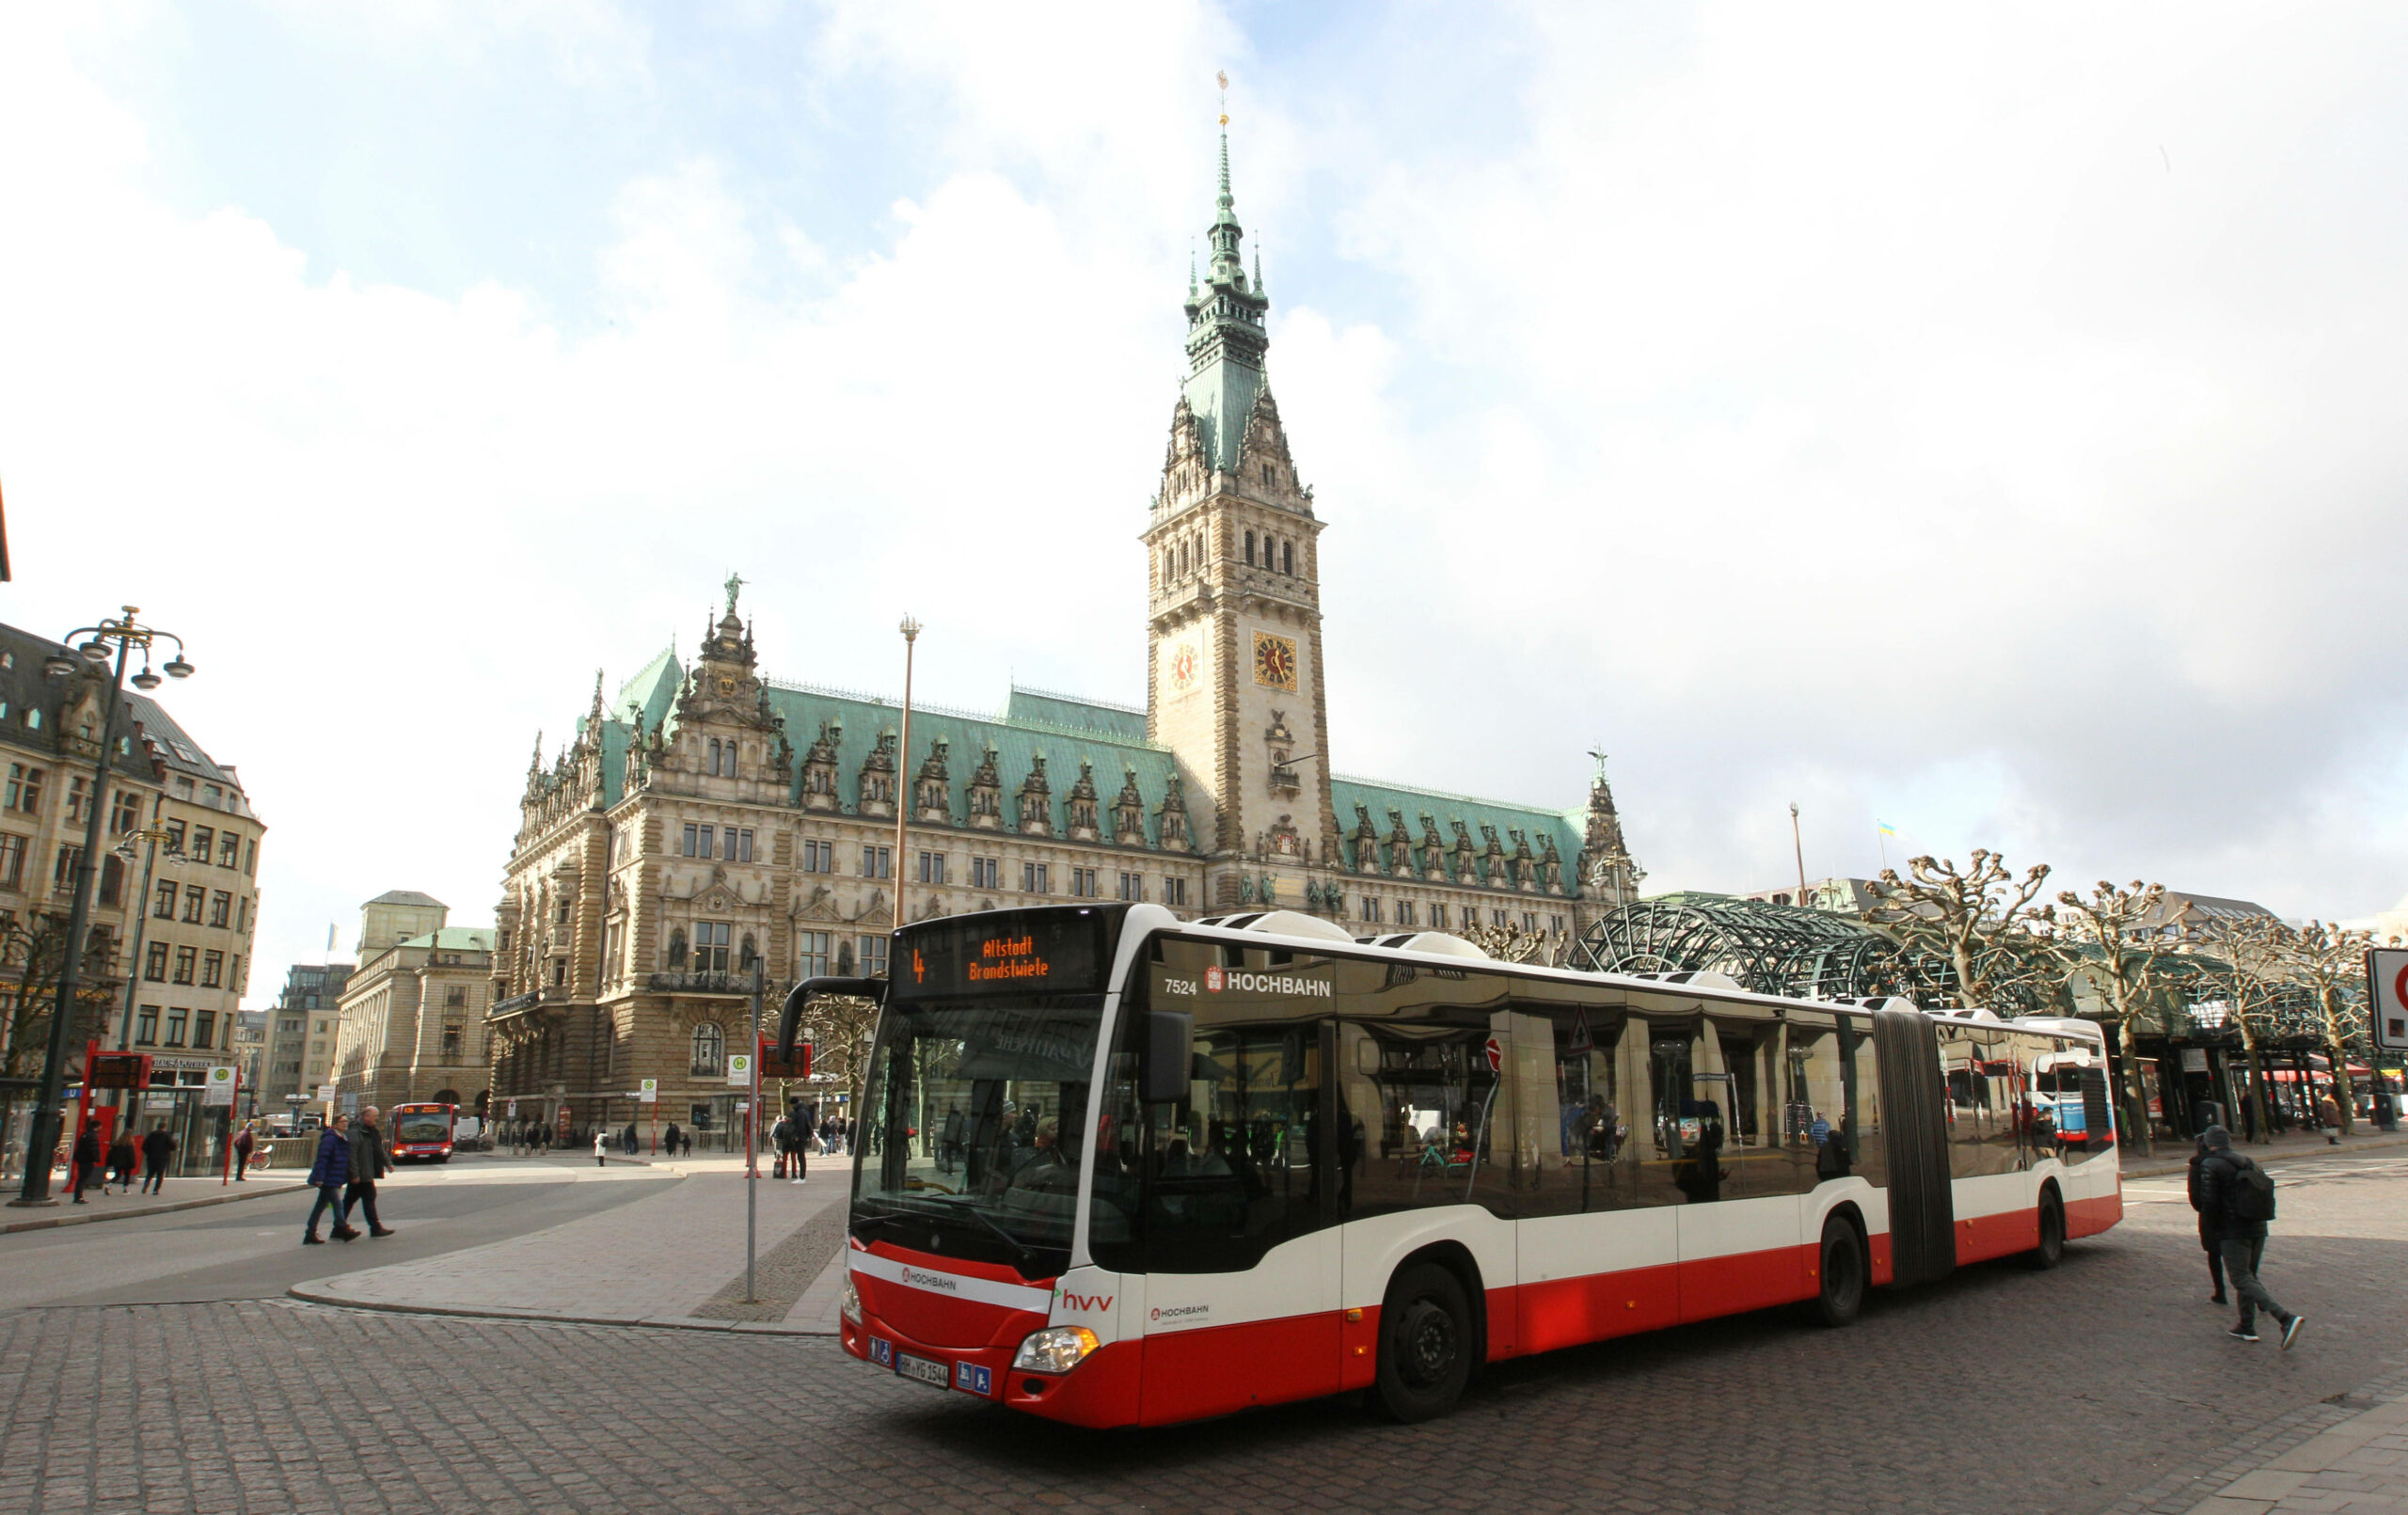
972 1128
421 1126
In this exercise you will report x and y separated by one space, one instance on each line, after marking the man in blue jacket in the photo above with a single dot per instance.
328 1176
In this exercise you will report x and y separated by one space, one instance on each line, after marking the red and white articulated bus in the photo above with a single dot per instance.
424 1133
1118 1169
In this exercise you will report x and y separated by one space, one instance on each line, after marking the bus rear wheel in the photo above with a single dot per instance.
2051 1250
1425 1345
1843 1274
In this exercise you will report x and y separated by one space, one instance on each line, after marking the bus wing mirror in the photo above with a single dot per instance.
1170 1036
790 1014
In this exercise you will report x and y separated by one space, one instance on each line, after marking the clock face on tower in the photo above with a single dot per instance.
1182 667
1274 661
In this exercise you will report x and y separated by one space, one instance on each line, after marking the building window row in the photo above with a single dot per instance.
1280 556
728 844
203 1024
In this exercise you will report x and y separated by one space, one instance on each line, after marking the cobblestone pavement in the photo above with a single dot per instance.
2107 1383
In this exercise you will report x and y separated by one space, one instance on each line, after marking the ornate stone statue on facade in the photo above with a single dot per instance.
1128 811
1080 806
986 794
1036 797
1171 820
930 801
876 779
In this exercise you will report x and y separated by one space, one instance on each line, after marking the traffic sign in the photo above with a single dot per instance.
219 1090
1581 1041
648 1091
326 1091
740 1068
2387 991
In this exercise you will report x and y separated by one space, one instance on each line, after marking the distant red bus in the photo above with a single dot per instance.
423 1133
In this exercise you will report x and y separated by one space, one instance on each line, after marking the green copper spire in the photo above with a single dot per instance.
1225 333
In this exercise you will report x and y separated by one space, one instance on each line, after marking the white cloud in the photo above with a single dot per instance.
1851 408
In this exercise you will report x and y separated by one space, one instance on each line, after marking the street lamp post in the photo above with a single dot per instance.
152 834
43 1135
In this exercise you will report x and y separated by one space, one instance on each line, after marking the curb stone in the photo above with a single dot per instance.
53 1222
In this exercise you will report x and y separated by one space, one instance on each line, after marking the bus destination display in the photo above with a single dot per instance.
1004 952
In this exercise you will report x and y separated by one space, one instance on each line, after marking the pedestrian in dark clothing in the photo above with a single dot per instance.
328 1176
83 1161
157 1145
368 1164
122 1159
668 1143
2210 1241
241 1153
2240 1197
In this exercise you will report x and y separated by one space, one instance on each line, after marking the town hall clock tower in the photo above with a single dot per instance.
1234 684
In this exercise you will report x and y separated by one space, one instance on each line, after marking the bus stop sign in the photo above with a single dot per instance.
2387 992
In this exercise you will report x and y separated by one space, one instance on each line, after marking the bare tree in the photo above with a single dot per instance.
2253 948
32 951
2326 960
2106 938
1980 922
839 1029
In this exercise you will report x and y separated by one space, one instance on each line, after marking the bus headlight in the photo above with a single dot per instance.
1055 1350
849 1303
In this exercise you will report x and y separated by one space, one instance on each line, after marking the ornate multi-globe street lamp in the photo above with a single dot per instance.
42 1139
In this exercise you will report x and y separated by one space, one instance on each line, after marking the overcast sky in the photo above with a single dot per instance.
1983 420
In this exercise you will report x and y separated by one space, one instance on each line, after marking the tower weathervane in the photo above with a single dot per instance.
1224 77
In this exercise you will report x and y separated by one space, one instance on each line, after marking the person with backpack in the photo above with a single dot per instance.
2241 1196
2210 1238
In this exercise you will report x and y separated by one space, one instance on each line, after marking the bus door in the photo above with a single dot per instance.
1241 1262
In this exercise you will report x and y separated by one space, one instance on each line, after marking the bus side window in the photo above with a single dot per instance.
1815 1110
1428 1102
1588 1161
1868 1149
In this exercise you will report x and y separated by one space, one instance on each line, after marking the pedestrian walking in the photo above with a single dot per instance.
668 1142
2241 1196
368 1164
328 1176
157 1145
599 1146
122 1159
2330 1114
2211 1241
243 1141
84 1160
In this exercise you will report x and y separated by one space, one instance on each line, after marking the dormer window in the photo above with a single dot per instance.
1268 476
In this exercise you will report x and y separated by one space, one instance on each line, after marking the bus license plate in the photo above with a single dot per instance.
939 1375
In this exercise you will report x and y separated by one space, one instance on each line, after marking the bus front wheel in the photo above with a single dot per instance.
1425 1345
1843 1274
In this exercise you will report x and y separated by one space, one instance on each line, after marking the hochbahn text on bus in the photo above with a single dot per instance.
1163 1170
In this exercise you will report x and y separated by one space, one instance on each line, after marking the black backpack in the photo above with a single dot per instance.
2253 1191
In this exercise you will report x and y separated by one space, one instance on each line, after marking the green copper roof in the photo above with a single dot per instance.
1037 706
456 939
1564 827
1225 340
1062 730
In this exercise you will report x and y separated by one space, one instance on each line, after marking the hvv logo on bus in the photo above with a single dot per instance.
1083 1302
1217 979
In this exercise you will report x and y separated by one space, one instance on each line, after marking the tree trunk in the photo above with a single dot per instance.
2135 1092
2343 1096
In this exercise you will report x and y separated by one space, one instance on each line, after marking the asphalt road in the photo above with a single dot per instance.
2000 1390
252 1250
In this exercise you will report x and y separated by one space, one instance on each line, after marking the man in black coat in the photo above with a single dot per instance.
157 1145
368 1164
2226 1185
2210 1239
